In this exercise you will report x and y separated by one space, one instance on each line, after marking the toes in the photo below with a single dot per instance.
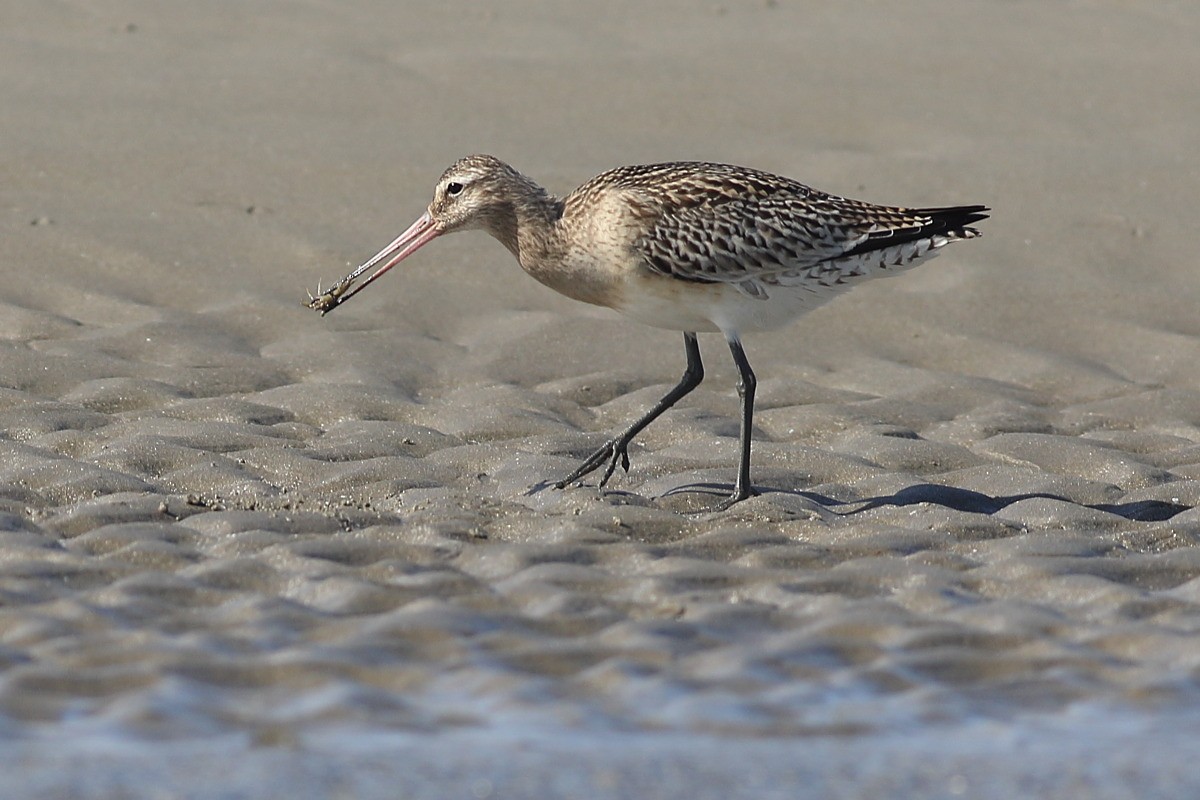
612 454
738 496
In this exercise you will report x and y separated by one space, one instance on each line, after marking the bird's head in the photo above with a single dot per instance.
474 192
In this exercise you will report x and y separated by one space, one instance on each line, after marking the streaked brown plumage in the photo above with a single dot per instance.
690 246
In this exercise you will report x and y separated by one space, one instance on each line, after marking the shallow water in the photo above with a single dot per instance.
1090 752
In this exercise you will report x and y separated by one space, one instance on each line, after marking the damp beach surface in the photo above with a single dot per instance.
249 551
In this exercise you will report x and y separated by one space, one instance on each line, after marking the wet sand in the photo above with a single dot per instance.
320 553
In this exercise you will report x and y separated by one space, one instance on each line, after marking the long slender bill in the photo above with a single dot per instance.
417 236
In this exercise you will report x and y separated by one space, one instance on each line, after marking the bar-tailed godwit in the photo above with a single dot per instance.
688 246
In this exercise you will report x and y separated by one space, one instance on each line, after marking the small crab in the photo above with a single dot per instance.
329 300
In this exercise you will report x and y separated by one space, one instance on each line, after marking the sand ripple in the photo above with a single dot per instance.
226 537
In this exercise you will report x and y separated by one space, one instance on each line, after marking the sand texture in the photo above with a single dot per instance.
246 551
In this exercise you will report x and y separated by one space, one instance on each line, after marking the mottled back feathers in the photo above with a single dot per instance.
719 223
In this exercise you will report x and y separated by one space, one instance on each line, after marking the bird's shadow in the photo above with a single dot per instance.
946 496
958 500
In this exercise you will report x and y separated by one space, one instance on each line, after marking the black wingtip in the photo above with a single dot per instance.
952 218
949 220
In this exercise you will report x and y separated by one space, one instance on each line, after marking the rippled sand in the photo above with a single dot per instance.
248 551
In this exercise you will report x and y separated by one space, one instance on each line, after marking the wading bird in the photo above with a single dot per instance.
688 246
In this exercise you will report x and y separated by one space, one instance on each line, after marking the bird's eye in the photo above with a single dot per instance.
454 189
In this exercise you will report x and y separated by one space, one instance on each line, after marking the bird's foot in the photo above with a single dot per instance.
740 493
612 452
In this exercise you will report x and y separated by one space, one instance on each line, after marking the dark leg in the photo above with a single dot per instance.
615 451
745 389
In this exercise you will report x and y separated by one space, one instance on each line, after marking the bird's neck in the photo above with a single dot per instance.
527 224
532 225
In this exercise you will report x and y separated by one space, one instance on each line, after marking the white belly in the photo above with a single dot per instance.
691 306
